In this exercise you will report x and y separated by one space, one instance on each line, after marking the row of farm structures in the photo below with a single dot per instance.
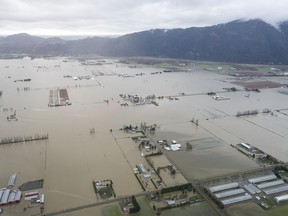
266 190
262 158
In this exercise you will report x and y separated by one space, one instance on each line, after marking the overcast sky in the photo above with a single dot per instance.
118 17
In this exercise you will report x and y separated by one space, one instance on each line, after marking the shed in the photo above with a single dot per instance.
282 198
42 198
223 187
142 168
263 178
279 189
170 202
5 197
18 196
236 199
12 180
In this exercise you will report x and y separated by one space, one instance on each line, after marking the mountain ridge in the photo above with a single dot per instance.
239 41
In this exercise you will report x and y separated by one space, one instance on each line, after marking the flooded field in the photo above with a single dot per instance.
210 154
73 157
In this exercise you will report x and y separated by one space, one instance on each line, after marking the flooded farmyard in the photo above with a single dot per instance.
85 143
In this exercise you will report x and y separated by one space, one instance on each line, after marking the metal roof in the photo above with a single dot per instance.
1 193
262 178
270 184
12 197
18 196
252 189
8 196
229 193
223 187
236 199
249 189
276 190
246 145
11 181
281 198
4 199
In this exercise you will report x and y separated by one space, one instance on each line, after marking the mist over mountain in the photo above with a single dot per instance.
253 41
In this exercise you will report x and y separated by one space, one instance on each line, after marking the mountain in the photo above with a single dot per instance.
283 27
252 41
90 45
52 45
19 43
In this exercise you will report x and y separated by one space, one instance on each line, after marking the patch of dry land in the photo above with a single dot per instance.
246 209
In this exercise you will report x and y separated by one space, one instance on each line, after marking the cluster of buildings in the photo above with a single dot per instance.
229 193
173 146
138 100
9 196
255 188
34 197
58 97
260 156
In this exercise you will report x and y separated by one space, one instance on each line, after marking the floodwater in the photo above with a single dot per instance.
72 157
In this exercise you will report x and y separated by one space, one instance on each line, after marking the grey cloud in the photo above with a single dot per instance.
96 17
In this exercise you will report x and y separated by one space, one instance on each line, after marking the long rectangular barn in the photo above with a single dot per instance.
223 187
262 178
229 193
58 97
236 199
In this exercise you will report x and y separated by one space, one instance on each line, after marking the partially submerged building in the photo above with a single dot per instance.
58 97
12 180
8 196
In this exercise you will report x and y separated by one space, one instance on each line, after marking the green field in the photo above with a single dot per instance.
246 209
163 65
197 209
114 210
252 209
145 208
281 210
111 210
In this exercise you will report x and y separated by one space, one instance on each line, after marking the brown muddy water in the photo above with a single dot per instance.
72 157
